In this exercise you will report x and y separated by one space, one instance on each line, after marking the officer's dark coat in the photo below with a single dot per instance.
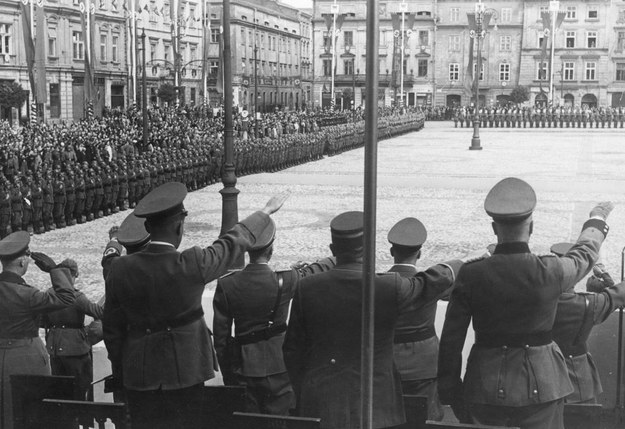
511 292
322 345
577 314
160 284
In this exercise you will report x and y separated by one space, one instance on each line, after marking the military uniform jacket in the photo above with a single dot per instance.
247 298
158 285
65 334
417 360
512 293
576 315
323 340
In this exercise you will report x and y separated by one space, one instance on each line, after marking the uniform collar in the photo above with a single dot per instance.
9 277
512 247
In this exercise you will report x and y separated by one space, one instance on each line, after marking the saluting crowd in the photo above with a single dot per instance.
307 361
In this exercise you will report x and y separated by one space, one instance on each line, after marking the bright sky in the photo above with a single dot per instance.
299 3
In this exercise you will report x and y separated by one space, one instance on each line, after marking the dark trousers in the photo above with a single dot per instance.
165 409
429 388
268 395
539 416
75 366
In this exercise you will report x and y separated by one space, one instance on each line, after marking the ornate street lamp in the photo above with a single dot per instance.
478 23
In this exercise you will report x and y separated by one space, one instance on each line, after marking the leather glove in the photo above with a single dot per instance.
113 232
43 261
602 210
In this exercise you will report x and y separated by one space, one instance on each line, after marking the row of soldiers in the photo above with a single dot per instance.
541 117
59 194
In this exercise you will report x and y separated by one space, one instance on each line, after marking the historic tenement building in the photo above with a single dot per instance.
64 49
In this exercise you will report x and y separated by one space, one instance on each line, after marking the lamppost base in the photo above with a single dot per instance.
475 144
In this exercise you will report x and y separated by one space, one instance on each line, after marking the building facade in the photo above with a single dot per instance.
271 54
65 44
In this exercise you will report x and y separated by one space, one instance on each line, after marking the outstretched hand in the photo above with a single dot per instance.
43 261
602 210
113 232
275 202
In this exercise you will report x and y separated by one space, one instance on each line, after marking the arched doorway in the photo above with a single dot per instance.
569 100
453 100
541 100
589 100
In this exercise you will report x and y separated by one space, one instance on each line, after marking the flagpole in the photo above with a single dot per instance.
177 55
134 51
88 52
554 6
32 32
204 41
335 11
403 9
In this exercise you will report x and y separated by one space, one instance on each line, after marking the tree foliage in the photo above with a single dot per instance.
167 93
520 94
12 95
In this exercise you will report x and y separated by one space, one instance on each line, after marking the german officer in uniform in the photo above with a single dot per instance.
323 339
21 349
415 348
578 313
257 299
157 340
516 374
66 339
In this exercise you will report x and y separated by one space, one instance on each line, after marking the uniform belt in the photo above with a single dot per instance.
411 337
67 326
500 339
572 351
168 324
261 335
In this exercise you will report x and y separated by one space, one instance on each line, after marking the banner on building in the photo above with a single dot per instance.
29 45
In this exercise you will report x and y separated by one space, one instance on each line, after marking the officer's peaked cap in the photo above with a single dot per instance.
132 232
162 202
510 201
408 232
14 245
347 230
266 237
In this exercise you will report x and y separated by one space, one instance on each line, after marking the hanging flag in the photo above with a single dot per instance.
89 90
29 46
40 54
220 72
329 19
468 75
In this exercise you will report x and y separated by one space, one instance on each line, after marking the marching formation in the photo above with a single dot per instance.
541 117
58 175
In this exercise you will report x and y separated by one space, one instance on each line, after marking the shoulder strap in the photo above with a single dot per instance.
272 315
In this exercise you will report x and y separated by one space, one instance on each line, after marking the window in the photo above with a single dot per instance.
213 68
481 70
151 12
454 14
327 67
103 46
506 14
620 72
541 10
55 100
454 71
505 43
215 35
5 39
571 12
570 39
348 38
115 49
152 51
243 36
166 51
422 67
541 70
620 41
78 46
193 53
405 66
454 43
348 67
569 70
51 42
250 38
541 39
591 70
593 12
424 38
591 39
504 72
